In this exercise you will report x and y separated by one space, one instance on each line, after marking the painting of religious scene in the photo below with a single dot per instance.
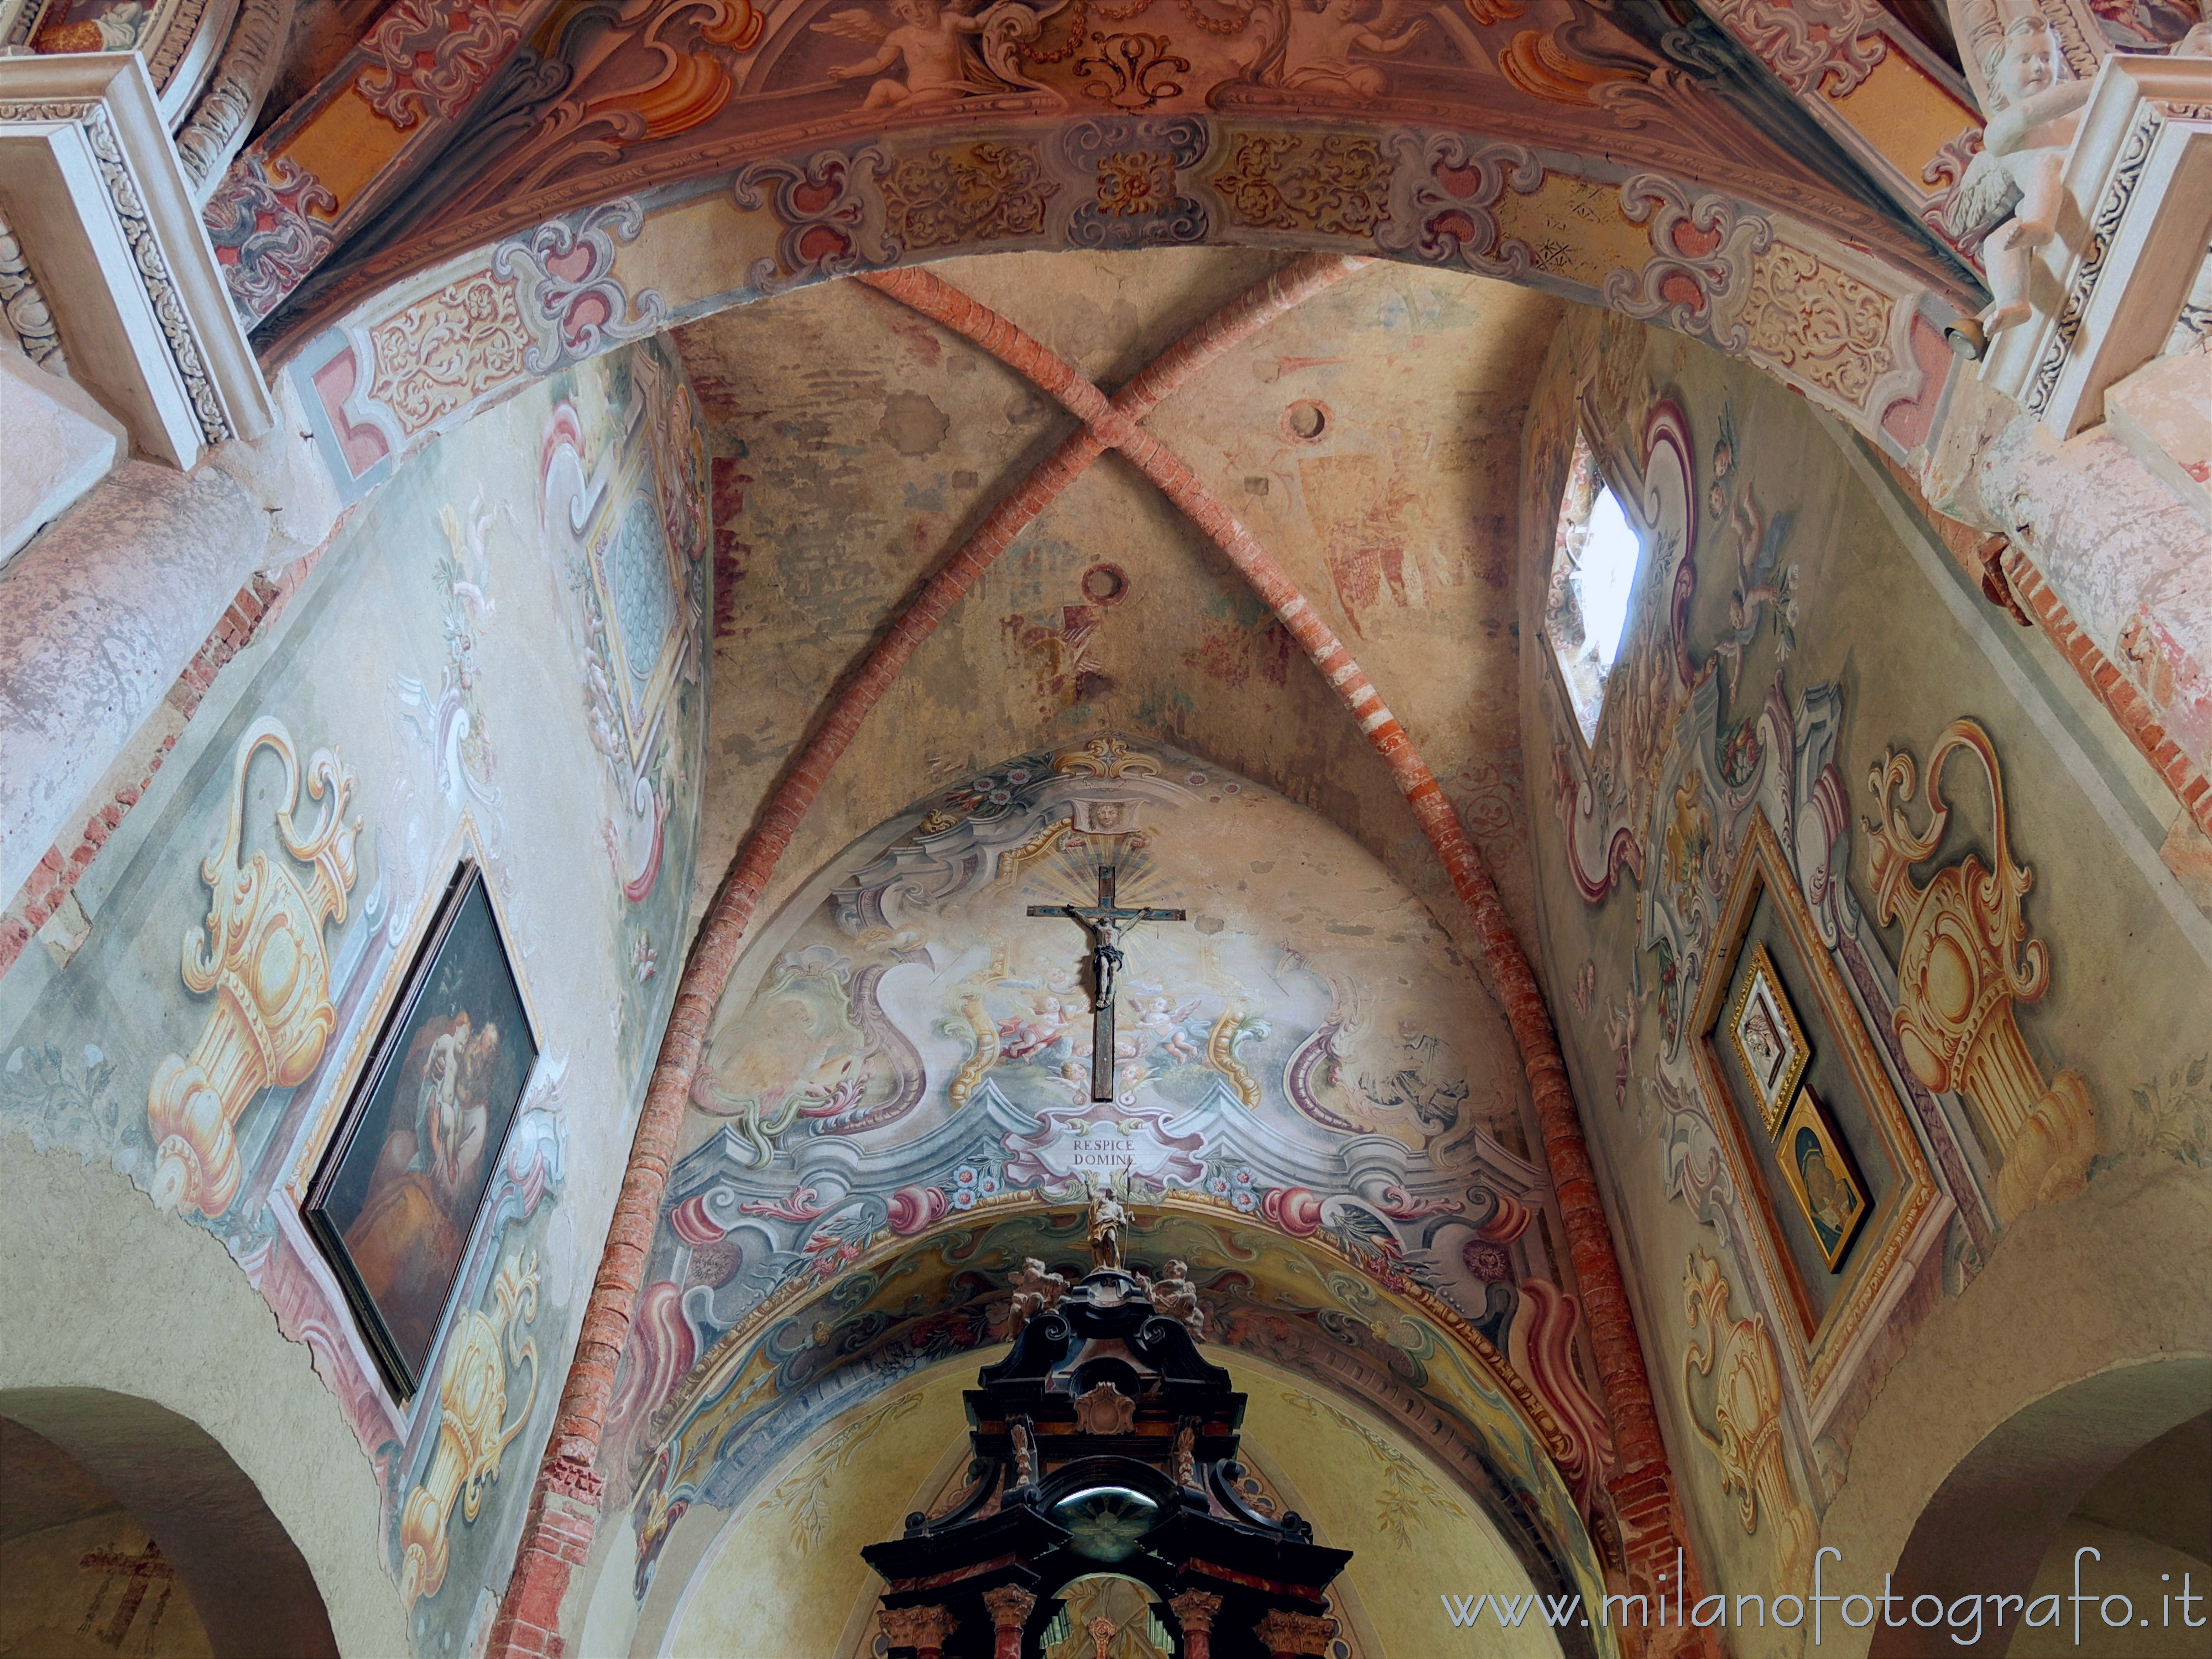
1769 1042
92 26
1821 1178
397 1198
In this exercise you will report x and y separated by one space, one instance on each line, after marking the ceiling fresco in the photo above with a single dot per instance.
548 106
1314 1102
1111 610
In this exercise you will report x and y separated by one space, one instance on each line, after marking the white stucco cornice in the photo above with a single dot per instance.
92 187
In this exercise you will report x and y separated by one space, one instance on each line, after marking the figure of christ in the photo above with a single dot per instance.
927 37
1105 922
1317 52
414 1222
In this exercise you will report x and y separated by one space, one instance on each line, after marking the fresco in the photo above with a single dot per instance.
456 648
1312 1103
1798 646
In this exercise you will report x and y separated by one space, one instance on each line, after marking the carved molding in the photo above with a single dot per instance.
216 128
94 191
2108 290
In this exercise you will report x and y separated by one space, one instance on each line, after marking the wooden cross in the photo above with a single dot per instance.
1105 921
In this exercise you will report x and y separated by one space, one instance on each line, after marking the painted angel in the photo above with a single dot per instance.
1761 581
930 39
1165 1024
1321 36
2010 198
1028 1036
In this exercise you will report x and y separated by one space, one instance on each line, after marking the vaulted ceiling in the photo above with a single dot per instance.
1369 438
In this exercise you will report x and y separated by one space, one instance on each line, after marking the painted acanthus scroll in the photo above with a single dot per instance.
1746 1411
472 1411
1966 959
263 957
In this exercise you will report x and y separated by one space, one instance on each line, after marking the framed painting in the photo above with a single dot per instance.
1818 1174
395 1200
1829 1262
1769 1042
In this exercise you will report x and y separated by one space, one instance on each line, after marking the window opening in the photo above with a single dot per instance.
1595 551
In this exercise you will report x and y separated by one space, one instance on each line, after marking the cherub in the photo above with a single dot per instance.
1024 1038
1174 1296
1318 46
2011 195
1035 1291
1164 1022
928 36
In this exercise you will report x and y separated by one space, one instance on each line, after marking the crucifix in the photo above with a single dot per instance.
1105 922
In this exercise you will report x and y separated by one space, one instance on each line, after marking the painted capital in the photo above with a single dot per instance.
1009 1606
1195 1610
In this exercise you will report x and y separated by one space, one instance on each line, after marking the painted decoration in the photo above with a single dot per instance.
442 682
1966 960
397 1199
261 950
895 1109
1820 1178
1767 1038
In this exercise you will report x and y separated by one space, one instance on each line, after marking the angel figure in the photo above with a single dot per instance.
2010 198
1165 1023
1035 1291
1319 43
1174 1296
928 36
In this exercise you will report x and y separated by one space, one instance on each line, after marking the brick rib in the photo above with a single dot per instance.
568 1483
1641 1449
2111 687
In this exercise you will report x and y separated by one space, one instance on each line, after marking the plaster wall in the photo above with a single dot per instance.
500 659
1815 626
783 1574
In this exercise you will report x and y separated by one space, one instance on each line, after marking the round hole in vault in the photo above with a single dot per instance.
1105 584
1305 421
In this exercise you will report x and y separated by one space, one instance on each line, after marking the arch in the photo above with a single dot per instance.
247 1580
1332 1457
1396 1354
1992 1521
414 341
123 1338
1962 1469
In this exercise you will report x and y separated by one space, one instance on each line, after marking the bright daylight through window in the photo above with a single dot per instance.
1594 554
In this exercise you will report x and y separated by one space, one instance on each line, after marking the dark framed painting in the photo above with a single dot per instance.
1819 1172
396 1198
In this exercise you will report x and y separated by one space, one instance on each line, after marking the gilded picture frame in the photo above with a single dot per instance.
1769 1042
397 1193
1820 1175
1814 1346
